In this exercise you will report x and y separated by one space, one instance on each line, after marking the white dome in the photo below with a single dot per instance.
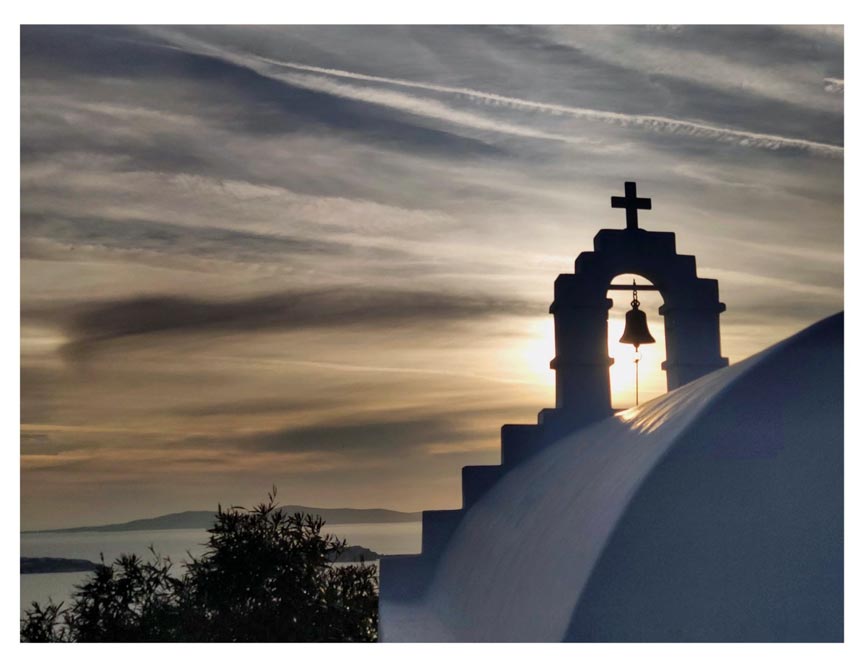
713 513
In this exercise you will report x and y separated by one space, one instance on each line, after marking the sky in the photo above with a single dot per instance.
322 257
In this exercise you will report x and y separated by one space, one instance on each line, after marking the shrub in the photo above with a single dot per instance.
265 576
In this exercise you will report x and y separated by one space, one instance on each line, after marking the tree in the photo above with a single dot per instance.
265 576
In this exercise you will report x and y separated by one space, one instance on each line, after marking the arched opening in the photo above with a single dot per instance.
622 374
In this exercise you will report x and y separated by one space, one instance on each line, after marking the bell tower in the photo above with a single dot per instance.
691 309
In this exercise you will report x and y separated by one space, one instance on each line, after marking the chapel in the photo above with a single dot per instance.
711 513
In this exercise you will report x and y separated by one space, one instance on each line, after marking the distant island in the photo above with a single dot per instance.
35 565
31 565
203 519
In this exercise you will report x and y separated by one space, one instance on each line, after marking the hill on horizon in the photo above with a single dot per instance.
203 519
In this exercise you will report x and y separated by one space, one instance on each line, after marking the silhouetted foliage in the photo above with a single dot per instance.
266 576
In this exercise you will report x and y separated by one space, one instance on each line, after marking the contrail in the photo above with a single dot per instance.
653 123
656 122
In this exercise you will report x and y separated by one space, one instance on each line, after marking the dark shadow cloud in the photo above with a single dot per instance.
373 438
89 325
378 436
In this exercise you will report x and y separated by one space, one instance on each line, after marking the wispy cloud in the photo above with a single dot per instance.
648 122
431 108
697 55
141 235
834 85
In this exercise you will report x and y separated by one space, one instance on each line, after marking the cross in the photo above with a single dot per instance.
631 204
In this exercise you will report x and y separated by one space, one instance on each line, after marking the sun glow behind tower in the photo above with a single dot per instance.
538 349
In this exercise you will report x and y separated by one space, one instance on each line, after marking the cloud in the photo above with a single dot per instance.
713 59
654 123
373 435
834 85
419 106
431 108
829 33
40 444
258 407
377 437
156 237
426 107
90 325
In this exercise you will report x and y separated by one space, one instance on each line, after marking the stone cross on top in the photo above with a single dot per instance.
631 204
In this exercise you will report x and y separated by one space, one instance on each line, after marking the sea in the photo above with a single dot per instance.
389 538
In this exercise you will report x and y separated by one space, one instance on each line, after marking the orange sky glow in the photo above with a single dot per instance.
322 257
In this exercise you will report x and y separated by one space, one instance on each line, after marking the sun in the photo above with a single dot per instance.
539 350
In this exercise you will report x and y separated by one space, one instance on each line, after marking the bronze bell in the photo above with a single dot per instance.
636 326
